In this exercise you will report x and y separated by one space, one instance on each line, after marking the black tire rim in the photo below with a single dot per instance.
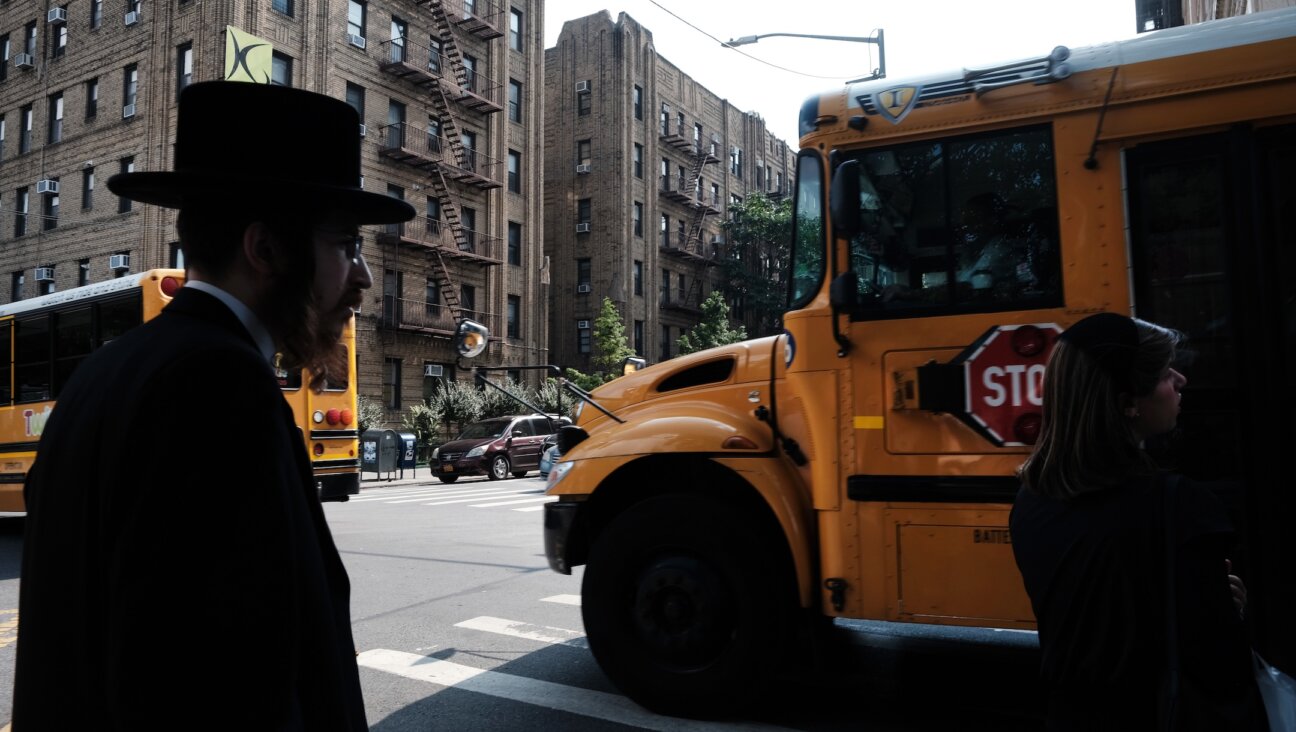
683 612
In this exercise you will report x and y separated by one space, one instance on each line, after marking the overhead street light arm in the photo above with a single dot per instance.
877 38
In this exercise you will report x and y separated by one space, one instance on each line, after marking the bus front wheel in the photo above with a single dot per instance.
687 605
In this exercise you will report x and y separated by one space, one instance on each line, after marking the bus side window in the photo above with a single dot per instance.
117 317
6 366
32 358
73 341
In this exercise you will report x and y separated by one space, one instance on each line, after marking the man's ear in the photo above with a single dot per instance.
261 249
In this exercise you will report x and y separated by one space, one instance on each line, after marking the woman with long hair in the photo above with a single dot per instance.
1140 620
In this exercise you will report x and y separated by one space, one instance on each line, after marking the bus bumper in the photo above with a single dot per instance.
559 518
338 486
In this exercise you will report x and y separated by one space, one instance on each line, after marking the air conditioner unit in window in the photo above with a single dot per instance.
583 289
44 274
363 130
582 325
24 61
357 41
119 262
132 17
47 186
56 15
582 86
583 168
128 111
582 228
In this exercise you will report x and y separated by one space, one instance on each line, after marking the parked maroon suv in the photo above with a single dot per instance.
494 448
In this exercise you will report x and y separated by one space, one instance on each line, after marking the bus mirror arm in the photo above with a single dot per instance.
843 295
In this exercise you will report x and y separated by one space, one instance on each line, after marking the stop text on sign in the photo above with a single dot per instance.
1016 385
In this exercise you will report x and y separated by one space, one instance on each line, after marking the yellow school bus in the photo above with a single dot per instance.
43 339
946 229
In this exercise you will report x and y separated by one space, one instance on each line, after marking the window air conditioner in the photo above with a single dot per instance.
363 130
56 15
24 61
583 168
47 186
119 262
44 274
128 111
583 289
582 325
132 17
582 86
582 228
357 41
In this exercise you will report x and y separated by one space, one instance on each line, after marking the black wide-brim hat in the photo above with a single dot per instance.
266 149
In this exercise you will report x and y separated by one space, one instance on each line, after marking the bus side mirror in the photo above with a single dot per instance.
843 293
844 200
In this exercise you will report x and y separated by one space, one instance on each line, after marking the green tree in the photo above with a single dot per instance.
369 413
496 403
610 346
457 403
554 399
713 330
422 421
759 237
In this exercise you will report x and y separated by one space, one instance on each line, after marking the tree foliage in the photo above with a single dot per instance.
756 266
457 403
496 403
369 413
610 346
714 328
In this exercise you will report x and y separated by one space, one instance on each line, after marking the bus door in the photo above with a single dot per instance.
1213 251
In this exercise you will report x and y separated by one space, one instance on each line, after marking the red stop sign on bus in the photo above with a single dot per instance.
1003 383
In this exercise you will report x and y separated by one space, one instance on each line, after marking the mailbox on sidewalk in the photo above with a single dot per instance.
409 453
380 451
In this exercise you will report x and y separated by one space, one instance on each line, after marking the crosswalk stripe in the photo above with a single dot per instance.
478 492
527 631
570 699
511 503
563 599
468 500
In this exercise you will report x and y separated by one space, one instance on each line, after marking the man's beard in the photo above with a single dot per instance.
300 330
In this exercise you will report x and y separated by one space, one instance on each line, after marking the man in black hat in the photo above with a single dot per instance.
178 571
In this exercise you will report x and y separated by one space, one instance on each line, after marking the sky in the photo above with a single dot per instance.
921 37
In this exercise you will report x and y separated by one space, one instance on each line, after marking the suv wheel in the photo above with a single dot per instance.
499 467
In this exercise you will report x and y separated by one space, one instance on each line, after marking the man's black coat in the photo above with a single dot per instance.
178 572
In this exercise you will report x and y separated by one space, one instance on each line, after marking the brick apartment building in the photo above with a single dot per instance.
641 165
449 92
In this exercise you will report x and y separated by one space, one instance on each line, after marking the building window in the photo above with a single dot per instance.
582 337
356 18
468 299
432 300
514 171
434 54
87 188
470 73
583 152
45 287
184 66
665 343
665 294
665 231
638 161
515 243
24 129
127 166
399 32
55 118
638 338
515 29
282 6
50 210
96 13
433 216
29 39
281 69
83 272
20 212
583 272
130 86
715 194
636 98
2 135
638 278
60 37
92 98
665 119
355 96
468 218
16 281
391 385
638 219
515 101
583 211
584 101
514 316
4 56
697 137
736 162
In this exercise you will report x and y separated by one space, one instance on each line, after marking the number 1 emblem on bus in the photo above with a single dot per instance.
896 102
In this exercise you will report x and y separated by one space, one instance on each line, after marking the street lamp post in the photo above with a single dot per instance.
876 39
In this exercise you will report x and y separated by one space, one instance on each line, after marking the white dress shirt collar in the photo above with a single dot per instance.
245 315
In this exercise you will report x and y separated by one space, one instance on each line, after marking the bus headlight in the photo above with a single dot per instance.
557 472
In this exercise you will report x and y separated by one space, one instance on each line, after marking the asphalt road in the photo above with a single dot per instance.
461 626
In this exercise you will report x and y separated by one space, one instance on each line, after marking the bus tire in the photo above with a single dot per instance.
687 605
447 478
499 467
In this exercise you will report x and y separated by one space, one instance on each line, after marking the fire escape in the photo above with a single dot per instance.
689 244
441 154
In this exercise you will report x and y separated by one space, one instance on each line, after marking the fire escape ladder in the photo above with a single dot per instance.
695 231
441 273
449 48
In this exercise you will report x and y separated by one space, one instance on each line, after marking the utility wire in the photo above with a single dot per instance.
748 55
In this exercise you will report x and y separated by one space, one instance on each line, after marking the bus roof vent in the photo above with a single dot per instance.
711 372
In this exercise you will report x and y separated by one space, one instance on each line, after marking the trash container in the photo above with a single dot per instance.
409 453
380 452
